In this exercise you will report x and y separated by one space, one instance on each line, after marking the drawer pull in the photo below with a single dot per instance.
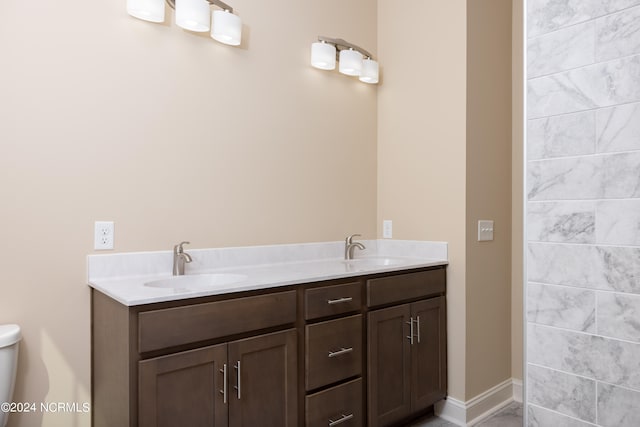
342 419
223 371
339 300
340 352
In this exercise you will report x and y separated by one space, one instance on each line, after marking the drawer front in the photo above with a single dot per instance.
338 406
333 351
331 300
198 322
405 286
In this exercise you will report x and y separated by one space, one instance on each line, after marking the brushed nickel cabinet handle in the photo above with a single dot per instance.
340 420
223 371
418 323
238 373
340 352
339 300
410 337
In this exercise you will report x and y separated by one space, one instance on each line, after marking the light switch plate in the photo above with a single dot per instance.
485 230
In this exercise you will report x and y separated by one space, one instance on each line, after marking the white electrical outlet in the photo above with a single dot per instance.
387 229
103 235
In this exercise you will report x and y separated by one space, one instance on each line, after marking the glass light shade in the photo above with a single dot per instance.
323 56
148 10
193 15
226 27
350 62
369 72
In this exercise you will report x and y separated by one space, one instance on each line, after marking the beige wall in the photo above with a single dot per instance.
444 138
173 136
421 141
517 233
488 194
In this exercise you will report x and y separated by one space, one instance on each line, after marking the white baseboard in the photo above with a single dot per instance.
479 408
517 390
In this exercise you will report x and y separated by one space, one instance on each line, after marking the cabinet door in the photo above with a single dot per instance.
263 380
428 354
389 365
183 389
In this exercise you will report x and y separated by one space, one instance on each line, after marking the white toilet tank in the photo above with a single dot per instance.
9 340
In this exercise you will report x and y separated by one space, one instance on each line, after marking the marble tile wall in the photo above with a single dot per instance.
583 213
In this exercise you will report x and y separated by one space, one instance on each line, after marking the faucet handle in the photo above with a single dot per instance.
349 239
178 249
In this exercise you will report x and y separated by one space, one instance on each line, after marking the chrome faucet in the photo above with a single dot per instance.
350 245
180 257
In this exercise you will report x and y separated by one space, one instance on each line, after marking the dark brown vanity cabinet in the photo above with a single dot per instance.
362 351
243 383
406 348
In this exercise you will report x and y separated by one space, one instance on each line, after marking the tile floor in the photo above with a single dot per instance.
510 416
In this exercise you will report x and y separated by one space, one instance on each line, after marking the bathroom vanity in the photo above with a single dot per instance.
365 349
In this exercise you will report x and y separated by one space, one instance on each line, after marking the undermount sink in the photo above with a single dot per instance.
197 282
373 262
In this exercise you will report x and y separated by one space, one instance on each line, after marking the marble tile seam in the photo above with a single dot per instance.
569 287
594 200
563 415
568 70
595 380
590 334
537 365
598 245
603 291
582 156
574 24
586 110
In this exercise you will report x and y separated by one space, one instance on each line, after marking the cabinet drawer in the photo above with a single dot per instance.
337 406
405 286
333 351
182 325
330 300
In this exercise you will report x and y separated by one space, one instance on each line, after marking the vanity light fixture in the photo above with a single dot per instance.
354 61
193 15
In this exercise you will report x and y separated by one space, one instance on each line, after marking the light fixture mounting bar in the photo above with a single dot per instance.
222 5
218 3
341 44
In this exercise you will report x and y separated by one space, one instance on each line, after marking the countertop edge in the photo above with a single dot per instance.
117 288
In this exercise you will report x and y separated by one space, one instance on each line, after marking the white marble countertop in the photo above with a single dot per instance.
123 276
